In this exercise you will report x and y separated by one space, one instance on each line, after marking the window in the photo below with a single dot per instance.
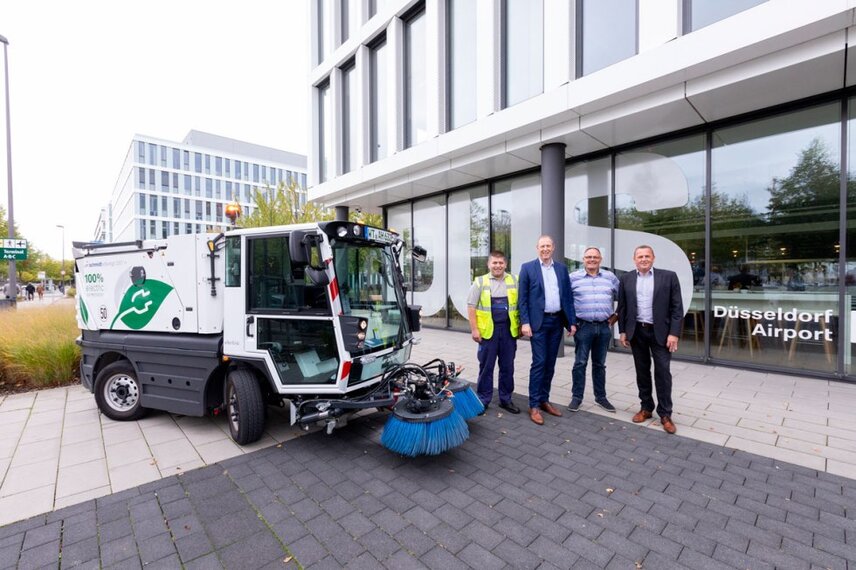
233 261
163 155
153 153
264 174
188 228
208 211
175 228
187 189
522 50
142 203
218 166
700 13
349 17
165 181
151 178
187 209
273 286
461 62
219 212
197 162
174 182
186 160
141 177
141 152
197 185
255 173
325 131
164 230
415 80
378 108
142 229
217 189
153 229
246 171
303 351
176 209
469 226
429 278
228 167
229 191
516 217
237 170
207 164
198 210
176 158
774 230
350 118
607 32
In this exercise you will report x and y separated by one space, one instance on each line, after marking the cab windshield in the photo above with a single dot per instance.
369 288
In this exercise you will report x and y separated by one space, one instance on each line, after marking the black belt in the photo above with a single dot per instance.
556 314
592 322
644 325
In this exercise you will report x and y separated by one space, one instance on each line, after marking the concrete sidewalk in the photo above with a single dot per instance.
57 450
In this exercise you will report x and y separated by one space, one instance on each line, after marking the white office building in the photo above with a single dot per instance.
719 132
167 188
103 227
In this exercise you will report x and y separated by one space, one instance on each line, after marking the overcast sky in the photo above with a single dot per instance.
85 76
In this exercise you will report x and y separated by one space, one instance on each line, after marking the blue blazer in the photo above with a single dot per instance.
531 299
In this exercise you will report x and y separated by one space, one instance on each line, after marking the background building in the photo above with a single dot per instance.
104 225
720 133
168 188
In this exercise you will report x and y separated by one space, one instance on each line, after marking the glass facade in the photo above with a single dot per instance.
701 13
415 81
607 32
350 118
378 111
522 50
461 33
325 143
751 216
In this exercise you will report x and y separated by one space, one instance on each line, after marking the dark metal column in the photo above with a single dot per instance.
553 201
341 213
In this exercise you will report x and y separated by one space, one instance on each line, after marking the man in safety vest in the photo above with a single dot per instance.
495 326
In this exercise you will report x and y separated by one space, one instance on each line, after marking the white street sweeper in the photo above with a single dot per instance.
311 314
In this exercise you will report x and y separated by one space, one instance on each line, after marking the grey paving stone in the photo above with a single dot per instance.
588 550
552 552
449 538
695 541
403 561
698 561
666 547
289 530
308 551
778 558
252 552
479 557
379 543
814 555
207 562
41 535
80 552
439 558
234 527
193 546
115 529
9 554
621 546
118 550
155 548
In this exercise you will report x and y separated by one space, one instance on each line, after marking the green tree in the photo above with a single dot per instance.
281 207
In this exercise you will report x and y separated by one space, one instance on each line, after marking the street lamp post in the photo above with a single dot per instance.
13 275
62 267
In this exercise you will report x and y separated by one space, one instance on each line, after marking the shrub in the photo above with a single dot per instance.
71 292
37 346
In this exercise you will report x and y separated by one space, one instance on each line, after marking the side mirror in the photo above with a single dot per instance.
419 253
414 317
297 248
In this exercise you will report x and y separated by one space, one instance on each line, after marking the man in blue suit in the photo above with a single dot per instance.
546 306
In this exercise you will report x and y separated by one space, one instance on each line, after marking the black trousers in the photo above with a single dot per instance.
645 349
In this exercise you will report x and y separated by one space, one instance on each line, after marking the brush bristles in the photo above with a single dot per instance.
426 438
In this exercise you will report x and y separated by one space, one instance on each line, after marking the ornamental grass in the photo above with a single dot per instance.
37 347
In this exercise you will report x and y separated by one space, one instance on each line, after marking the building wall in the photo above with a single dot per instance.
166 188
721 139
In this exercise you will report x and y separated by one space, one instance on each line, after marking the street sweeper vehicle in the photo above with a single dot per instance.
312 315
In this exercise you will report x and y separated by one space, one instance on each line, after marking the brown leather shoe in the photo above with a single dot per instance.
668 424
535 416
548 407
641 416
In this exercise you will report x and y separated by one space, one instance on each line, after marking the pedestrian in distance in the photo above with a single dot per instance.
40 291
595 292
650 315
31 291
495 325
546 307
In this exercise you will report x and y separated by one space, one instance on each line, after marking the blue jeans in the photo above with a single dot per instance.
591 339
545 348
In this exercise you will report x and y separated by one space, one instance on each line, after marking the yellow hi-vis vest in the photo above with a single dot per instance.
484 319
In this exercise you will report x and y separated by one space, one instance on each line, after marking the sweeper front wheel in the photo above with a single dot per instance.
117 392
245 407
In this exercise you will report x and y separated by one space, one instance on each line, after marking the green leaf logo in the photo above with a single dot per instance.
84 314
141 303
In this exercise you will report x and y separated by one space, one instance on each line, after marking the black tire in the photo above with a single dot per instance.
245 407
118 392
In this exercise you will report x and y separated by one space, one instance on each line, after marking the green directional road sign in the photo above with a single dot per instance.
15 249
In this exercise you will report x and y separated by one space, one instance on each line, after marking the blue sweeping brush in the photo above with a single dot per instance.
430 432
464 399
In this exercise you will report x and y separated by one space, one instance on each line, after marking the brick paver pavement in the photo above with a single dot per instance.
583 491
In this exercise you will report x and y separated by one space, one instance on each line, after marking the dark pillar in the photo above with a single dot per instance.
553 200
341 213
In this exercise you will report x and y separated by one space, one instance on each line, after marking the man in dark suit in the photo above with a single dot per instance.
650 315
546 306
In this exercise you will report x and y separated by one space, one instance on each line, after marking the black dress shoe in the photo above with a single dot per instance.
509 407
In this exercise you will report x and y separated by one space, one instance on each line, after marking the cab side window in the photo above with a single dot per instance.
276 286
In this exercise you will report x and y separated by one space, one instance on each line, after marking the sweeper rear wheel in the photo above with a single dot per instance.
117 392
245 407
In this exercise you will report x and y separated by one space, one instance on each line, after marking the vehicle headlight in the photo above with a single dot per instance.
342 231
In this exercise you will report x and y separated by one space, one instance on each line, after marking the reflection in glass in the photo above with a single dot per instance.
850 253
377 101
704 12
469 237
325 133
608 32
588 186
350 117
659 201
303 351
516 218
775 204
462 61
522 50
415 81
399 219
429 276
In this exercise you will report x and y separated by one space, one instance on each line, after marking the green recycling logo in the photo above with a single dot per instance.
140 303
